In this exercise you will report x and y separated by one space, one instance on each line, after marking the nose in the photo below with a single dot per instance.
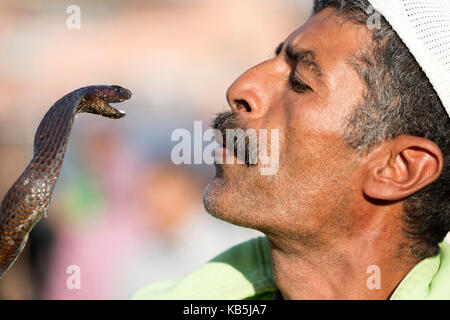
250 94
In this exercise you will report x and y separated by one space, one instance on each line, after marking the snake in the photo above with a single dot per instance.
27 201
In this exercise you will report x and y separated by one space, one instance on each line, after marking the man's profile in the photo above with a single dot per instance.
359 206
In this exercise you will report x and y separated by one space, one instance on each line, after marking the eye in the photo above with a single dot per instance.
298 85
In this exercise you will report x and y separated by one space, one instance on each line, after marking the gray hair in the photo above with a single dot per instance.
399 100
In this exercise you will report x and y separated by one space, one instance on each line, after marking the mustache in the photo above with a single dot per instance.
227 120
230 120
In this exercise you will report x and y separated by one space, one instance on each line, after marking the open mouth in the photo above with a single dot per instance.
98 101
111 112
239 147
120 95
235 150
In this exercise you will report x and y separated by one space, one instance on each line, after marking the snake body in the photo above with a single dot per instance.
28 199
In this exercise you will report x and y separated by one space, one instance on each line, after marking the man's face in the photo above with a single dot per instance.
307 91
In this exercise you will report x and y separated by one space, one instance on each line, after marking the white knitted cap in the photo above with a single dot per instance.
424 27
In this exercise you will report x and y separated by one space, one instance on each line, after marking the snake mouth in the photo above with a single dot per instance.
98 98
101 106
121 95
111 112
118 95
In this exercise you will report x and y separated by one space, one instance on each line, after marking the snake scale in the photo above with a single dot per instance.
28 199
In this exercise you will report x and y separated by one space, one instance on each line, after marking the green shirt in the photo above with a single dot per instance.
245 272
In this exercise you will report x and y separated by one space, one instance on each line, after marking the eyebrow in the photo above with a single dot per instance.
302 56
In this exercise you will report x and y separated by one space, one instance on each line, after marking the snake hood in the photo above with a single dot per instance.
28 199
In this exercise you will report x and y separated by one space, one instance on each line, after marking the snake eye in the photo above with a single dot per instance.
117 89
123 93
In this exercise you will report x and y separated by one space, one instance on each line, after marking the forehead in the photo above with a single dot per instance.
334 41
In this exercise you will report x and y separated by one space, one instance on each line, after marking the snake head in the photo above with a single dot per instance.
114 94
97 99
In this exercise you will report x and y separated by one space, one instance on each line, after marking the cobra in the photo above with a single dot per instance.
26 202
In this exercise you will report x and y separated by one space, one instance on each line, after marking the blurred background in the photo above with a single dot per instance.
122 211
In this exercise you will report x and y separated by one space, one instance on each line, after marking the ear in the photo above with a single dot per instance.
401 167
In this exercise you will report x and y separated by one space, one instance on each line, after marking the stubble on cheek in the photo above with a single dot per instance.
317 172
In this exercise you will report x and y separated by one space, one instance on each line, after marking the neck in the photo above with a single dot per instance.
367 266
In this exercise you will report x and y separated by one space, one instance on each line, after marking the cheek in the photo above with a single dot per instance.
313 146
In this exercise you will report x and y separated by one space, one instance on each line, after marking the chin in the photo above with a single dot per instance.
230 196
214 198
